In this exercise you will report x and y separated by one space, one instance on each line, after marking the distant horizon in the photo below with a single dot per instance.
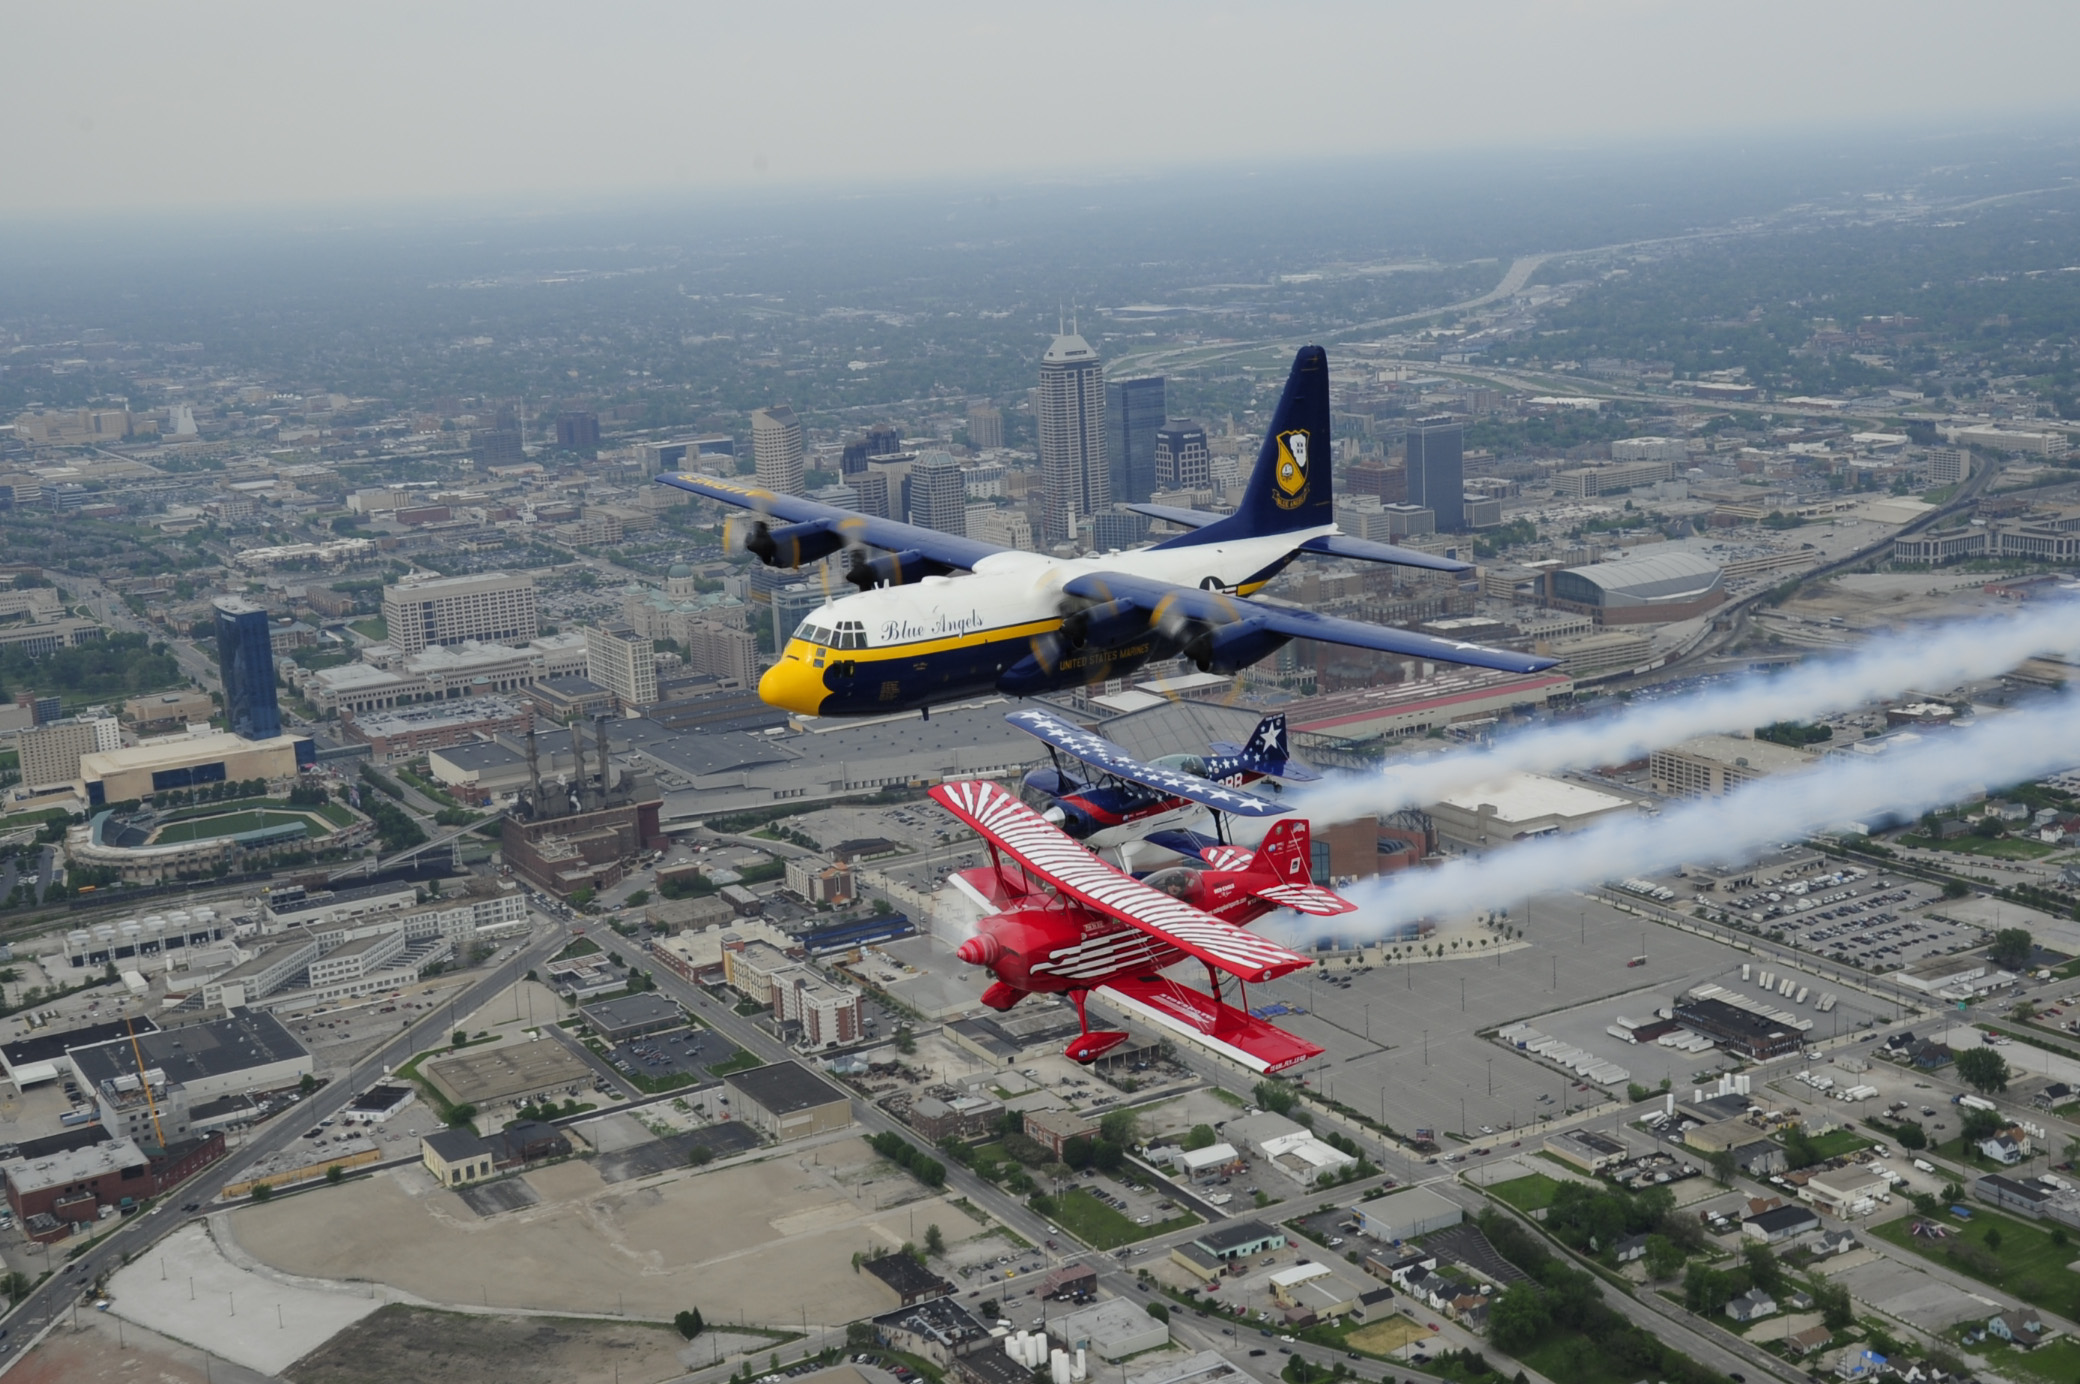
241 107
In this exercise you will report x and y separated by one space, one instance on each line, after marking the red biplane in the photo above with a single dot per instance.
1061 920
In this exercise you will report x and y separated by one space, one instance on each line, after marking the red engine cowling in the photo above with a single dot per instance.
1009 944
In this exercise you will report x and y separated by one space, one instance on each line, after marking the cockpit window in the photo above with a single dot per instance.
1183 763
846 634
1177 881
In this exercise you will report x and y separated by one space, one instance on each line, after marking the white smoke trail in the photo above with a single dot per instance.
1939 770
1929 657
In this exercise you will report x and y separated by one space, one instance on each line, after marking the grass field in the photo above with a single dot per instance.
2054 1362
1533 1193
1101 1227
2026 1263
1386 1337
373 627
200 827
1839 1143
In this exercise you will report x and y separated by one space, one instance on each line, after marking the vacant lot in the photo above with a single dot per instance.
407 1345
1533 1193
1101 1227
1384 1338
2013 1255
752 1242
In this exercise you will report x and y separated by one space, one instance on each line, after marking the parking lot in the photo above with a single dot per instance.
689 1052
1876 921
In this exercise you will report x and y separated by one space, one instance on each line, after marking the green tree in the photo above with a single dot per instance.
1520 1318
906 1041
1955 889
689 1323
1200 1137
1910 1135
1120 1127
1664 1257
1984 1069
462 1115
263 1192
1763 1270
2012 947
460 1037
1836 1310
934 1241
1160 1311
1275 1096
1993 1237
308 1084
335 1174
700 1155
1724 1167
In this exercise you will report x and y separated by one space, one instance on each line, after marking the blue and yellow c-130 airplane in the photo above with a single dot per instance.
916 635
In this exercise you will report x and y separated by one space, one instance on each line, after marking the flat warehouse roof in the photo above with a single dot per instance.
218 1048
785 1087
48 1046
506 1069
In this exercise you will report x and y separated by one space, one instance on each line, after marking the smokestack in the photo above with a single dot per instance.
578 757
606 766
534 773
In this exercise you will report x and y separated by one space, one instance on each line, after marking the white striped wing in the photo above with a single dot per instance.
1050 854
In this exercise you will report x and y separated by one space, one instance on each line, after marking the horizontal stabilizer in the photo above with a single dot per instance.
1189 518
1306 898
1222 1027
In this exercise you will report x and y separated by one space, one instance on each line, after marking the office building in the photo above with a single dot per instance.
50 753
1182 460
490 607
245 661
577 430
624 663
869 491
852 457
776 449
884 438
985 427
788 1101
938 496
1708 766
1074 480
496 446
1437 471
1117 530
1949 465
1134 414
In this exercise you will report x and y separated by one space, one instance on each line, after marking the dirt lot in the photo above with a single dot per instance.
1384 1338
406 1345
747 1243
94 1353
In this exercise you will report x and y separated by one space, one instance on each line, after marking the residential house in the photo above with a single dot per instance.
1630 1248
1803 1343
2003 1149
2024 1328
1833 1242
1752 1305
1374 1306
1782 1224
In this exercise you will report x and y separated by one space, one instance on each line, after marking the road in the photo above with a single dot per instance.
57 1293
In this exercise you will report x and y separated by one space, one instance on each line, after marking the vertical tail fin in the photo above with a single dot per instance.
1267 753
1287 852
1290 487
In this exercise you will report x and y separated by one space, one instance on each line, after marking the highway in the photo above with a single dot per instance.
57 1294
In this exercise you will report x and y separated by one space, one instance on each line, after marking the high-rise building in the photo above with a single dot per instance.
624 663
1436 470
1116 529
985 427
496 446
870 493
938 495
1377 479
1134 413
1949 465
577 430
494 607
853 459
884 439
245 661
776 449
50 753
1074 481
1182 458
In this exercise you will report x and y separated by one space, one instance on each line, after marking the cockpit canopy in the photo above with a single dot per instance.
1183 763
844 634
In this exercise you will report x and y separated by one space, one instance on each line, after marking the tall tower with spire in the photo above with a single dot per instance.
1074 479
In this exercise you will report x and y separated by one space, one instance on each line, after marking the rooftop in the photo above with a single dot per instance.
1765 755
784 1087
1235 1236
1522 797
72 1165
453 1145
632 1009
237 1043
47 1046
908 1277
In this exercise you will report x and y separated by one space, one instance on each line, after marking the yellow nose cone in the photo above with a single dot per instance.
793 684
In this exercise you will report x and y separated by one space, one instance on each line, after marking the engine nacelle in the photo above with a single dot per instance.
1232 647
792 545
1114 622
894 569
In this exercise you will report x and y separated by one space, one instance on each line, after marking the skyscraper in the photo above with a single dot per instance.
1436 470
776 449
1133 413
1182 459
577 430
624 663
938 496
495 607
985 427
853 459
884 439
245 661
1074 481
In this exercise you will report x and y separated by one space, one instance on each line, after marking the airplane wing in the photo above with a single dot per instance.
950 549
1096 750
1200 1017
1306 898
1047 852
1365 550
1187 518
1217 608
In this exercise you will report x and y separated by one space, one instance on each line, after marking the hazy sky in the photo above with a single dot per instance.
131 104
